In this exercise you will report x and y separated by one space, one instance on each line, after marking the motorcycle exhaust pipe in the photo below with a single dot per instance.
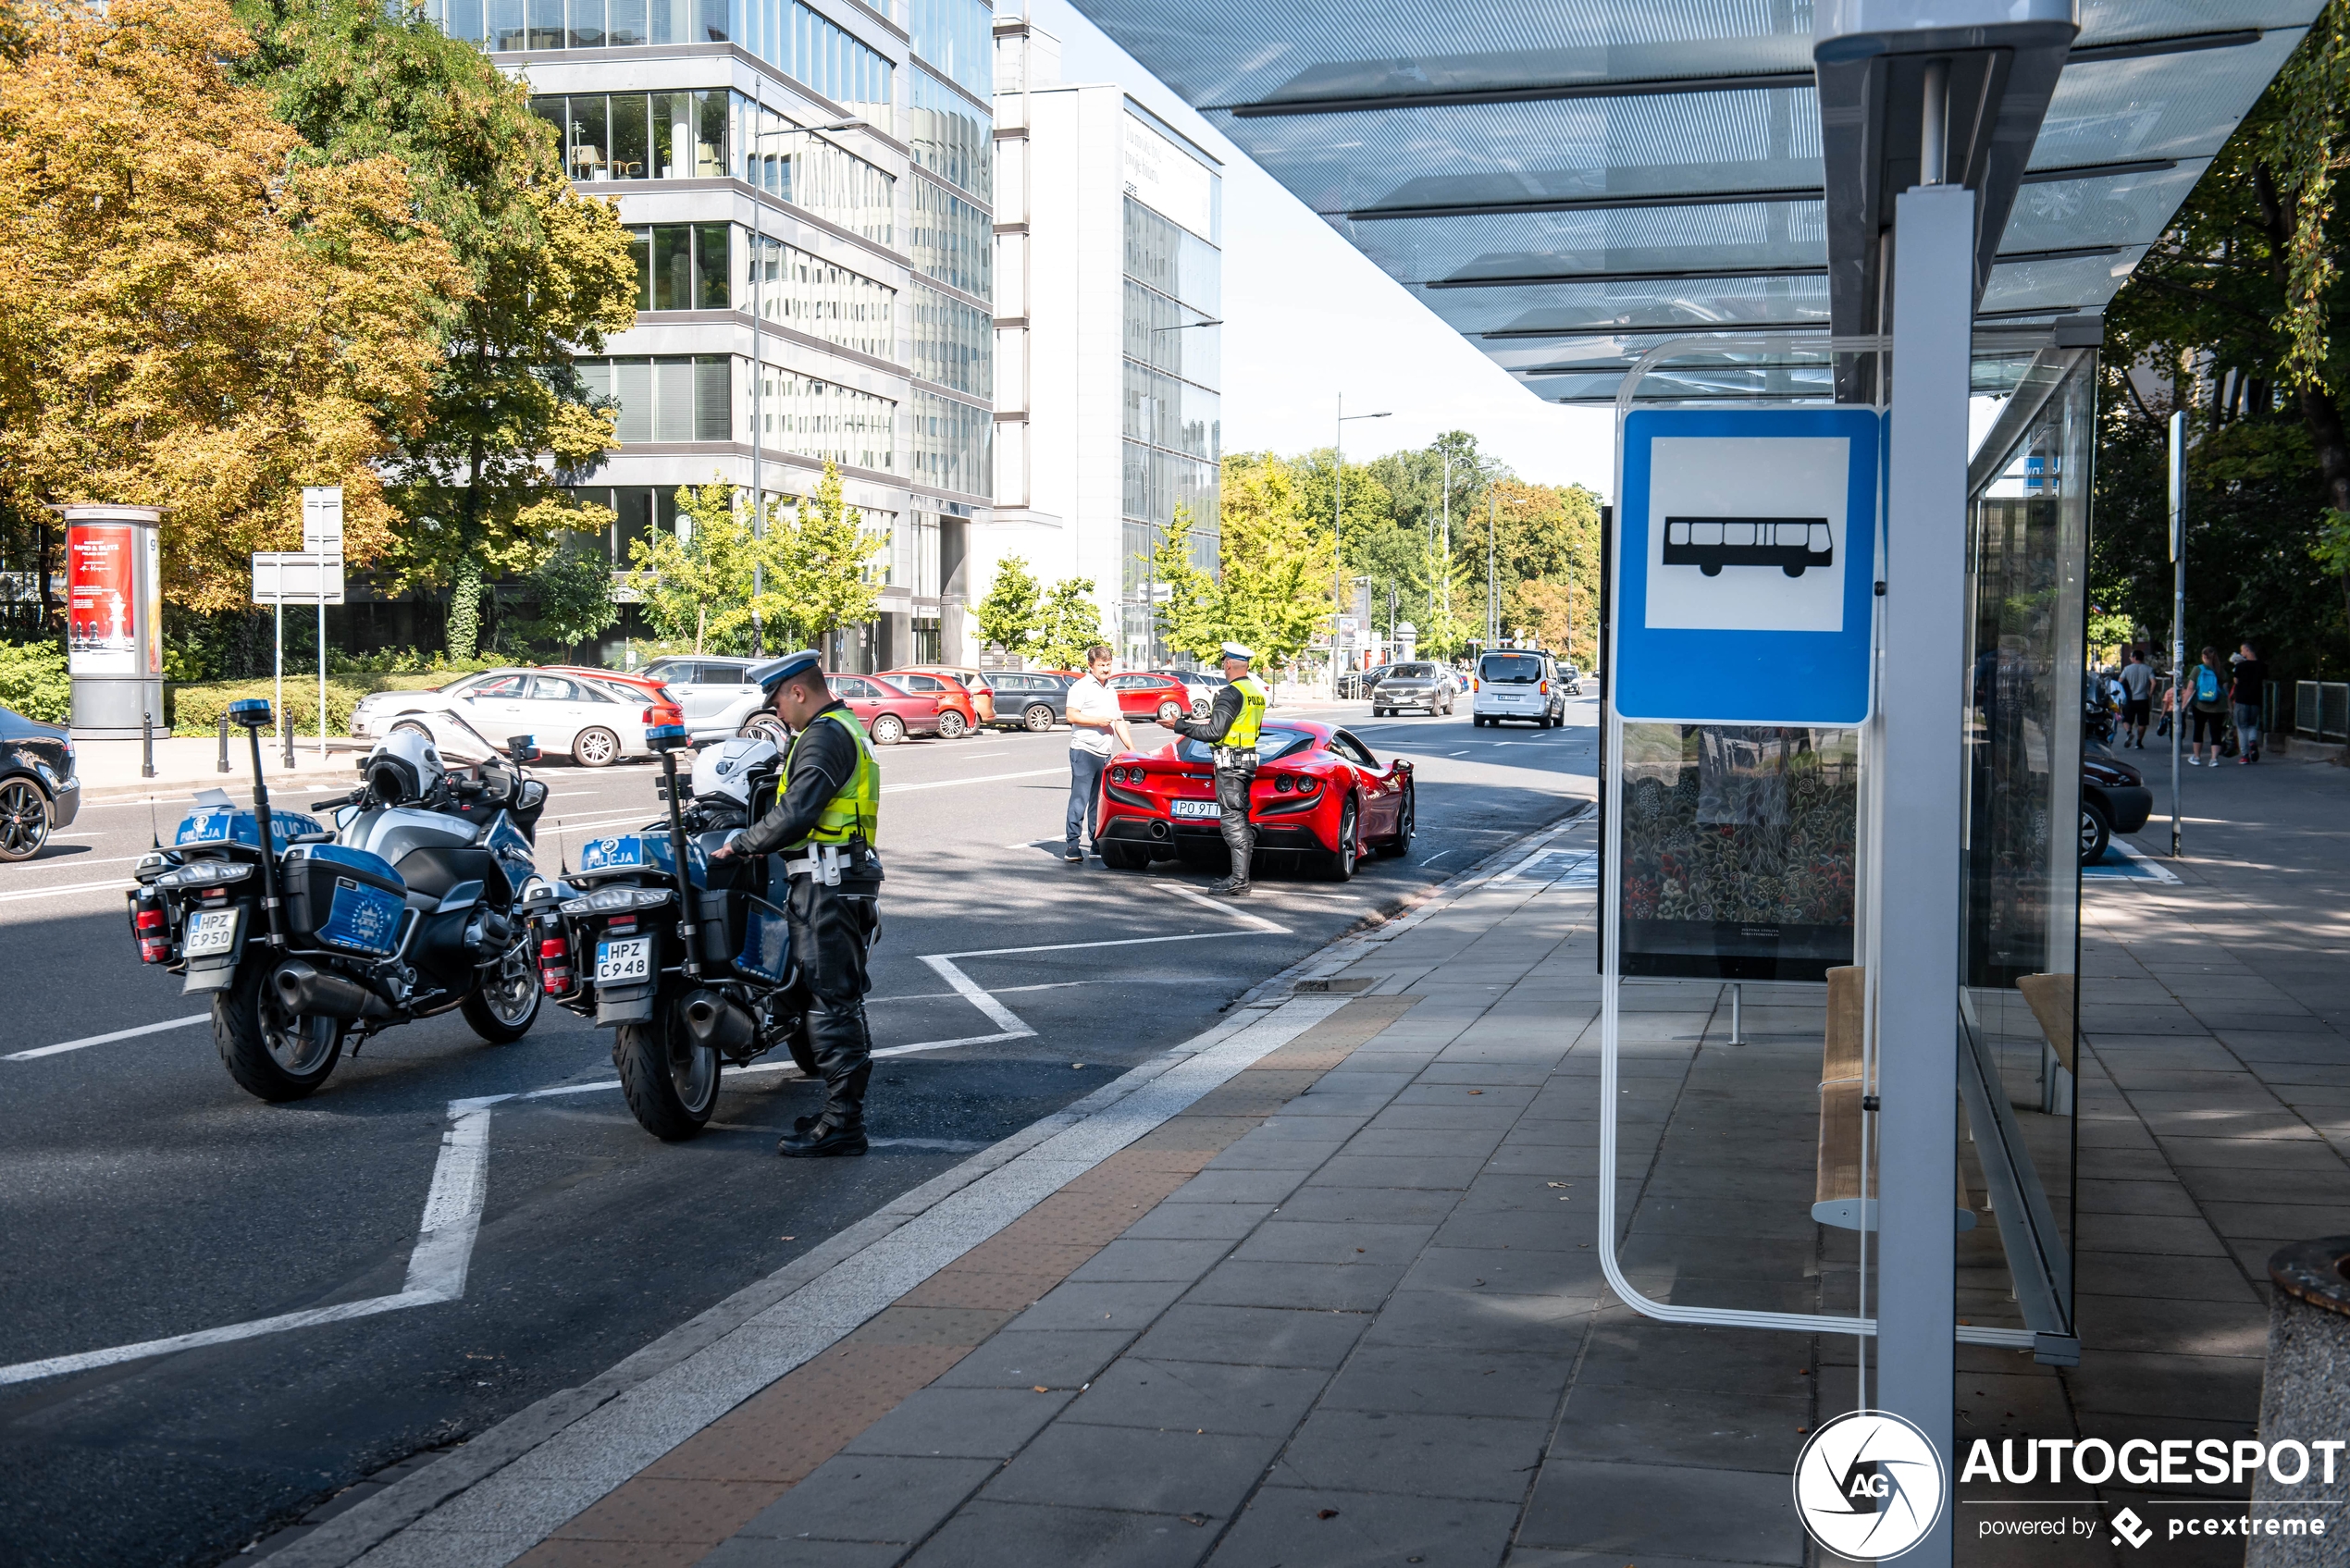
713 1021
304 988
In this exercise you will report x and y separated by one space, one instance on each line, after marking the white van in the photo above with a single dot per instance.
1518 683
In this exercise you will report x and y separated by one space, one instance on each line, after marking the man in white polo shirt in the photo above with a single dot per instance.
1096 733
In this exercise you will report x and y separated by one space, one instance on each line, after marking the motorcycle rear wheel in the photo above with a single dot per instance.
670 1078
273 1055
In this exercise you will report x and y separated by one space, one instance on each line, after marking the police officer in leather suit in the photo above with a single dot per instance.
1231 730
824 823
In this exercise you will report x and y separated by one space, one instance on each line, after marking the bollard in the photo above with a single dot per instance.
2306 1381
146 746
285 727
224 740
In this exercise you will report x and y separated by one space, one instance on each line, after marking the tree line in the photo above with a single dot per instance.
2229 318
1419 528
249 247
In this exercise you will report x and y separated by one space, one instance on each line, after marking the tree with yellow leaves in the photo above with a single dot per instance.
191 317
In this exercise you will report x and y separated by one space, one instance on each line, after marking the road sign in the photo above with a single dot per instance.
1746 565
322 519
296 577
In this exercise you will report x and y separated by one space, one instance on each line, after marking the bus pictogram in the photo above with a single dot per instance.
1792 544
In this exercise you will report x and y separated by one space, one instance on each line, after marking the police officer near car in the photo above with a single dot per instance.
824 822
1231 730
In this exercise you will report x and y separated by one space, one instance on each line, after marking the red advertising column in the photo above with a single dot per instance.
114 630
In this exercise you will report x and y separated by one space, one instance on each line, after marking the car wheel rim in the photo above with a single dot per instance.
24 819
596 746
2088 834
1346 838
886 730
1040 720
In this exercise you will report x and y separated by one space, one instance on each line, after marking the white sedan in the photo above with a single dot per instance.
597 723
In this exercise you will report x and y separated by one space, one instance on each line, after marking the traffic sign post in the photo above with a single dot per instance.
283 577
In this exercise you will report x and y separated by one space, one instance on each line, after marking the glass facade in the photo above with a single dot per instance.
953 444
684 265
954 343
822 299
641 135
796 41
820 419
674 398
1174 445
951 137
957 36
953 241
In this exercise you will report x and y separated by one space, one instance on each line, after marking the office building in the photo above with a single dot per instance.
1108 273
850 265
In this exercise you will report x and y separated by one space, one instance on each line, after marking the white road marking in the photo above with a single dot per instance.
1456 754
1003 1017
984 778
78 860
68 887
1119 941
107 1038
1256 922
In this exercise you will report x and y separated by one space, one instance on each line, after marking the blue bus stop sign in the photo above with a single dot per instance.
1746 564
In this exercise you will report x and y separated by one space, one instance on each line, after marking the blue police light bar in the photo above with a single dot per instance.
251 712
665 737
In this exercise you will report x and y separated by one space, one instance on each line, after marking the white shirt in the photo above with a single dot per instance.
1088 698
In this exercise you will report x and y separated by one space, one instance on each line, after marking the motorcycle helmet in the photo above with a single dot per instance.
404 767
723 770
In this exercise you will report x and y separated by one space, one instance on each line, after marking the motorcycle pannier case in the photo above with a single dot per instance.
344 899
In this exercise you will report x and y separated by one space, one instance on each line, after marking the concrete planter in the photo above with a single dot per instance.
2306 1395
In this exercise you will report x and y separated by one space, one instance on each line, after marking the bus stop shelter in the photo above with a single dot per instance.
1915 212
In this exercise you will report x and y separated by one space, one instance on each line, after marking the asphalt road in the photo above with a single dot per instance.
143 1195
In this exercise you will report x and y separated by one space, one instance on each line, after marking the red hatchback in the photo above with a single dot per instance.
958 714
1142 695
660 707
888 713
1319 794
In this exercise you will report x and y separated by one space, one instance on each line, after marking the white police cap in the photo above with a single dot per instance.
1235 651
768 676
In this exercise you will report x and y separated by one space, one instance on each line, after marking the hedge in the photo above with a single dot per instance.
32 681
196 709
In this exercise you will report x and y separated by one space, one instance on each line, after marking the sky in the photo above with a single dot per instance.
1308 319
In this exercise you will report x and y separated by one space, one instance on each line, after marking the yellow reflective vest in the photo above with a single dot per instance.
1241 736
855 811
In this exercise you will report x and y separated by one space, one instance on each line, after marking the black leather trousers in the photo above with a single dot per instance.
1239 838
830 930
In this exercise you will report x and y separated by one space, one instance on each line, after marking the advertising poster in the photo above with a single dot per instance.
101 637
154 601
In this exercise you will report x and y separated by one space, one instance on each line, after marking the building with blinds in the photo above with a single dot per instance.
1108 302
851 267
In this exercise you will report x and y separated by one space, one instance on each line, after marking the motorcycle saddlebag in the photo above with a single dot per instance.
344 898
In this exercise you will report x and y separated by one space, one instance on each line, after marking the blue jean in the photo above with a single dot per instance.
1084 793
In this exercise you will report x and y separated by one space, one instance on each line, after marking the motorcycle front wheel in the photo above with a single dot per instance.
670 1078
273 1055
504 1002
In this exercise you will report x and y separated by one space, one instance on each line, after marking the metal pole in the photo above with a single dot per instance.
224 740
758 405
285 726
2178 609
146 746
1737 994
1921 699
1338 521
322 670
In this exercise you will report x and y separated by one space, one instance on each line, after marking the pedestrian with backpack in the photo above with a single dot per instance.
2207 703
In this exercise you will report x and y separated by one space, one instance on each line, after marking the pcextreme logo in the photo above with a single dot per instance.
1869 1485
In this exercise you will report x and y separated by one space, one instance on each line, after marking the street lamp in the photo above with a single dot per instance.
759 371
1338 524
1150 438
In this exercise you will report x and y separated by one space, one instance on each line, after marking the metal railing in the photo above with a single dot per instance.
2321 710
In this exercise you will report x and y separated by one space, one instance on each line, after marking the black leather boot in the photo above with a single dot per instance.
844 1060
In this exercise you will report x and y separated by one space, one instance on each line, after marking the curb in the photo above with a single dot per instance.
345 1537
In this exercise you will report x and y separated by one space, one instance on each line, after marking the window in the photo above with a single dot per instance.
918 556
952 137
628 136
504 685
682 266
546 688
952 240
953 445
815 418
720 675
1354 750
822 299
850 687
810 49
675 398
580 24
957 37
921 682
954 343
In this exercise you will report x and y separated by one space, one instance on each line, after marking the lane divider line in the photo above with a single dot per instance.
66 1045
984 778
1256 922
20 894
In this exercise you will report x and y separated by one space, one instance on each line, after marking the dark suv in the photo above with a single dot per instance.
1028 699
38 791
2114 798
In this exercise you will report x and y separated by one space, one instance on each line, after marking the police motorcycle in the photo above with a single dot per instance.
414 902
686 959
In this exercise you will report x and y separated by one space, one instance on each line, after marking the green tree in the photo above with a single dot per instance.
549 273
575 597
1191 607
818 567
696 582
1276 562
1009 614
1069 624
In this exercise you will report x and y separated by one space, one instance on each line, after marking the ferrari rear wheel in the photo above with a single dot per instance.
1407 824
1339 864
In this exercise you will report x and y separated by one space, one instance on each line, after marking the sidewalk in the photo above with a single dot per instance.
1344 1307
109 769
